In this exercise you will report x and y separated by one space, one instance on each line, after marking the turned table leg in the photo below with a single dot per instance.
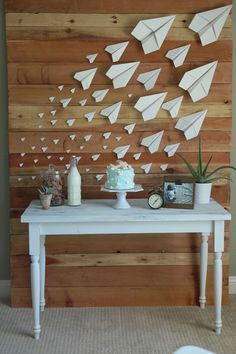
203 269
42 272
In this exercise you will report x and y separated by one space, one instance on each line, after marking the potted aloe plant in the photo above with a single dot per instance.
203 177
45 196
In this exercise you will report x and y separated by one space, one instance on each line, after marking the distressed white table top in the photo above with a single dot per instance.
101 210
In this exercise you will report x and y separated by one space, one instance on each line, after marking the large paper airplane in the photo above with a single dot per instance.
152 32
112 112
152 142
191 124
150 105
173 106
120 74
116 50
85 77
171 149
178 55
99 94
120 151
209 24
198 81
149 78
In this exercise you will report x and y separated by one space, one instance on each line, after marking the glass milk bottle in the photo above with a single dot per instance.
73 184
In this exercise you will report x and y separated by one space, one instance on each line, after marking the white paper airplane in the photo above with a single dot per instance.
33 147
49 157
65 101
40 115
22 154
87 169
70 122
99 95
56 141
85 77
61 158
91 57
173 106
83 102
150 105
209 24
53 112
22 139
81 147
178 55
36 161
51 98
198 81
40 126
152 142
106 135
120 151
116 50
60 87
164 167
105 147
118 138
68 151
191 124
44 148
171 149
90 116
120 74
130 127
112 112
95 157
72 137
147 167
152 32
149 78
130 95
99 177
87 137
21 164
53 121
72 90
137 156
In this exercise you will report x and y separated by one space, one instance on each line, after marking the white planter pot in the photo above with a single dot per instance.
202 193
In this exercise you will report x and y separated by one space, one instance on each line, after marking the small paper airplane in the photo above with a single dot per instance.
60 87
33 147
42 139
87 137
99 177
178 55
173 106
91 57
130 127
152 142
49 157
44 148
51 98
152 32
36 161
21 164
33 177
81 147
19 178
22 139
70 122
118 138
99 94
85 77
72 137
198 81
61 158
53 121
120 74
116 50
72 90
90 116
209 24
56 141
95 157
112 112
164 167
105 147
22 154
150 105
40 126
65 101
130 95
40 115
68 151
106 135
191 124
120 151
53 112
147 167
171 149
137 156
149 78
87 169
83 102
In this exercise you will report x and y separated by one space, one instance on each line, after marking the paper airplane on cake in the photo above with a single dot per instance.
171 149
173 106
209 24
120 74
150 105
191 124
147 167
120 151
152 32
89 116
178 55
65 101
130 127
137 156
198 81
99 94
106 135
112 112
152 142
149 78
116 50
85 77
91 57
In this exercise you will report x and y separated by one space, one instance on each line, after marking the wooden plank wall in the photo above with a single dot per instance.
47 42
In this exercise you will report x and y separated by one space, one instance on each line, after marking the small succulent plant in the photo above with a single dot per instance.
45 190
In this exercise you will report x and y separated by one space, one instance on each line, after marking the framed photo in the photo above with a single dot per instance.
178 192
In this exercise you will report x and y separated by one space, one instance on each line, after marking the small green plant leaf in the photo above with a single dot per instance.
206 167
219 169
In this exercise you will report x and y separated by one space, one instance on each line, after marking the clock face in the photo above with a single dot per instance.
155 201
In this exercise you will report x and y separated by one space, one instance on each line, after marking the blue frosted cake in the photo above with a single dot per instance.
120 176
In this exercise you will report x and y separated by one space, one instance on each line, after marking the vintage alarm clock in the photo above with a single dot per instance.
155 198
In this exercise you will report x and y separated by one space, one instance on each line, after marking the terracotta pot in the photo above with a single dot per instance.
202 193
45 200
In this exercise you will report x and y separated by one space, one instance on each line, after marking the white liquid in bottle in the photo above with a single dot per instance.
73 184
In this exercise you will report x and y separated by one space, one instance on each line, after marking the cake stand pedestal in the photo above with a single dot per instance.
121 202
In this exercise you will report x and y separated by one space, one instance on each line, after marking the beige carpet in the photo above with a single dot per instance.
145 330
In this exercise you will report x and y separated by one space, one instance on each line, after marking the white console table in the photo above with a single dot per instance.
98 217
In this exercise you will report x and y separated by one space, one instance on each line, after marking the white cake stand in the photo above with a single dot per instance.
121 202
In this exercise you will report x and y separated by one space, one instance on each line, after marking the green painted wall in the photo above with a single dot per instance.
4 214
